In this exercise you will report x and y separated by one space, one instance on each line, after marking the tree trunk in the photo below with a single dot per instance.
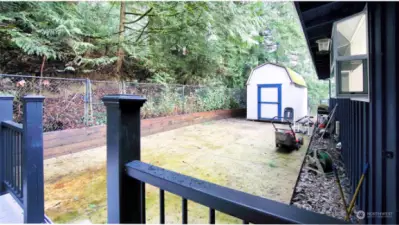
41 74
88 52
121 38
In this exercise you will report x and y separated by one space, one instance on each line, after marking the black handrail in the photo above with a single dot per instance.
249 208
12 125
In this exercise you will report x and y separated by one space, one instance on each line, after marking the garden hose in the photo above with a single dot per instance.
325 161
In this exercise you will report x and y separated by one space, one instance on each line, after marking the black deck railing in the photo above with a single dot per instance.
239 204
12 145
127 177
21 156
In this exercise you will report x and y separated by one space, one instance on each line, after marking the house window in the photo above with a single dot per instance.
353 77
349 57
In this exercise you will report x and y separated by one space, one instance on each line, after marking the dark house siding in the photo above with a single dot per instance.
369 130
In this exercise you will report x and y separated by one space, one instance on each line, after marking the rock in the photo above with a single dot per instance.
320 193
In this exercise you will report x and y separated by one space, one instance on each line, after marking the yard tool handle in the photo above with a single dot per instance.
283 121
352 204
340 190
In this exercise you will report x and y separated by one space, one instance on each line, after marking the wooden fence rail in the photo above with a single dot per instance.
58 143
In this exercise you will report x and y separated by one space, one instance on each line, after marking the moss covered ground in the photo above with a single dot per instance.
235 153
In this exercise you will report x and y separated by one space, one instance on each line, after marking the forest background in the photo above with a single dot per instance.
190 43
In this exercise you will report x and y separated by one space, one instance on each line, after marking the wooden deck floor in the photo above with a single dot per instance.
10 211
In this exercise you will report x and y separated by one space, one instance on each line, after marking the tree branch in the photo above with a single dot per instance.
142 31
139 14
138 43
180 28
106 36
155 30
141 17
131 28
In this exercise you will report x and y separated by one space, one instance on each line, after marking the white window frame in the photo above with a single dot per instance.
335 63
333 84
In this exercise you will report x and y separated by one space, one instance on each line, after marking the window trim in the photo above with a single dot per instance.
332 84
332 50
334 68
351 58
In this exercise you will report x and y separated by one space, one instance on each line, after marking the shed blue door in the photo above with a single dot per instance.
269 101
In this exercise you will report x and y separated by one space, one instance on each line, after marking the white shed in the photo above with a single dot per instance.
274 90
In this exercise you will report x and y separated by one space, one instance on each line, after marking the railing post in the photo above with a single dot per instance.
123 146
32 161
5 114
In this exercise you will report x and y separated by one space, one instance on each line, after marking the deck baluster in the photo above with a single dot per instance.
211 216
142 200
161 206
184 211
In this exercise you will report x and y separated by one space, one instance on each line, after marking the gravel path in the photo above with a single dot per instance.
320 193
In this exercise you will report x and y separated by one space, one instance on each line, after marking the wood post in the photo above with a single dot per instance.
32 160
123 146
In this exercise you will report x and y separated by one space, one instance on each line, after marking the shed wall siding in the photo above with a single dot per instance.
292 96
296 98
267 74
252 102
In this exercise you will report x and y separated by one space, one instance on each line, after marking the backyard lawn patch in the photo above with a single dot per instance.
235 153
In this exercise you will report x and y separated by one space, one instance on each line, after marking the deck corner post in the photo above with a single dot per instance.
6 113
32 159
123 146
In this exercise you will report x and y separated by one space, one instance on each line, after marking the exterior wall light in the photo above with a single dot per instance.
324 44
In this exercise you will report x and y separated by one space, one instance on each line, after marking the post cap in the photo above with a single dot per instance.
6 97
33 98
122 98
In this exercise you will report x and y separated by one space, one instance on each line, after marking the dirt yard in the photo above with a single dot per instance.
235 153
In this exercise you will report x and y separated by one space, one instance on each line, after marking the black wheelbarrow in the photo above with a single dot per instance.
285 135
